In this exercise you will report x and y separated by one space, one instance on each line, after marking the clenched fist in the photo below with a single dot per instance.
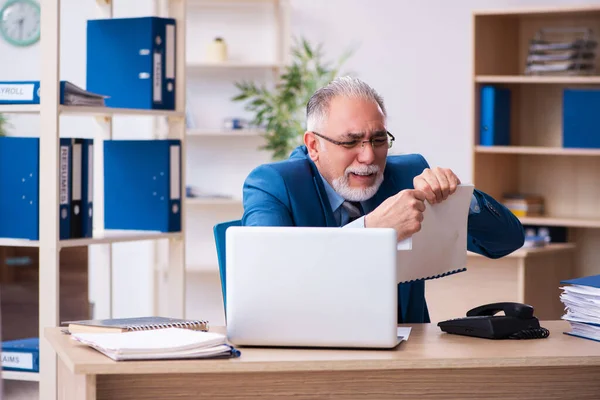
437 184
403 212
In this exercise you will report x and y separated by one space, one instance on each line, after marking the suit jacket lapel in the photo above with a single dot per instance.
320 189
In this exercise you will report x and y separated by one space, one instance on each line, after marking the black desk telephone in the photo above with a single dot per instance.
517 322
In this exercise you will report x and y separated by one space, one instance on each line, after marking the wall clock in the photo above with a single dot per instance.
20 22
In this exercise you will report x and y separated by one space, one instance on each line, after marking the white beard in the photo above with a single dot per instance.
342 185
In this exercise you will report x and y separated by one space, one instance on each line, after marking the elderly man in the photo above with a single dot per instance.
343 176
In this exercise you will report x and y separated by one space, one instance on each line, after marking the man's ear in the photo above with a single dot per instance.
312 145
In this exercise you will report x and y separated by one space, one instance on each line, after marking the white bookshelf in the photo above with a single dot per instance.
89 111
49 243
21 376
99 237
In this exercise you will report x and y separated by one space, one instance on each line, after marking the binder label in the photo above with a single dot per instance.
17 360
90 166
170 52
157 87
175 175
16 92
64 175
76 172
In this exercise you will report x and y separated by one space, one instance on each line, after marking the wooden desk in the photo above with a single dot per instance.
431 365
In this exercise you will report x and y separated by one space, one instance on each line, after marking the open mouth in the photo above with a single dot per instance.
362 175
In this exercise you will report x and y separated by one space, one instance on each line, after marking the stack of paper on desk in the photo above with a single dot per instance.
440 247
171 343
581 298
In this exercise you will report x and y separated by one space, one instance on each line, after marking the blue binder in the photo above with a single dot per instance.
495 116
19 187
132 60
87 194
581 121
21 355
142 185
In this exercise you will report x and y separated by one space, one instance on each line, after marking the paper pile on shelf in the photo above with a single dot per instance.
582 305
561 51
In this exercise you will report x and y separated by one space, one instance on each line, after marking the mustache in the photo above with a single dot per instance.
362 169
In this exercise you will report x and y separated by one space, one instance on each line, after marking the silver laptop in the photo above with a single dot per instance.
311 287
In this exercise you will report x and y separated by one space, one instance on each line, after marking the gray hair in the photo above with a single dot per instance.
318 105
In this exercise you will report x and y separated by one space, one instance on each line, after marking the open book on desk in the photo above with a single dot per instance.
162 344
440 247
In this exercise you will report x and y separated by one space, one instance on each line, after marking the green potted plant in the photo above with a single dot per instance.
281 110
3 125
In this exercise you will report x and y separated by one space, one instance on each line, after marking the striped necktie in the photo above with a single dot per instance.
354 209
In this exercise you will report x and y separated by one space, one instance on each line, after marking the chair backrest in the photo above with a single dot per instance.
219 232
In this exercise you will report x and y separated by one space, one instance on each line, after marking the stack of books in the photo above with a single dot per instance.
524 205
562 51
581 298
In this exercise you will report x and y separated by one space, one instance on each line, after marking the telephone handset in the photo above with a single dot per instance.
517 322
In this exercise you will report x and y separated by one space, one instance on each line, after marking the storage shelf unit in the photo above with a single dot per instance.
101 237
49 244
537 150
21 376
536 161
570 80
90 111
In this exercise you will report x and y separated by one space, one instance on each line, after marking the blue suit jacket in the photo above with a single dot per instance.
291 193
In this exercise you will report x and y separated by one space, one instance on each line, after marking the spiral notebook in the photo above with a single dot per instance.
134 324
440 247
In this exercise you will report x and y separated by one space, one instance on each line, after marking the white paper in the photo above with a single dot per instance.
441 245
403 333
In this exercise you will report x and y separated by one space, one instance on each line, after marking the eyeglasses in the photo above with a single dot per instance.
377 142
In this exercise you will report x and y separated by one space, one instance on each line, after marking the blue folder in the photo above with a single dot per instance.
19 187
132 60
142 185
581 121
494 116
21 355
87 192
591 281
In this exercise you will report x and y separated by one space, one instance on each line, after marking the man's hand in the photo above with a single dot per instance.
403 212
437 184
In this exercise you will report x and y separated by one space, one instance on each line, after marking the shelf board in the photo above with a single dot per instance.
567 80
551 248
562 221
91 111
103 237
21 376
225 133
568 11
232 65
533 150
212 201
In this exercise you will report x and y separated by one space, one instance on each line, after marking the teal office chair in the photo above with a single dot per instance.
219 232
